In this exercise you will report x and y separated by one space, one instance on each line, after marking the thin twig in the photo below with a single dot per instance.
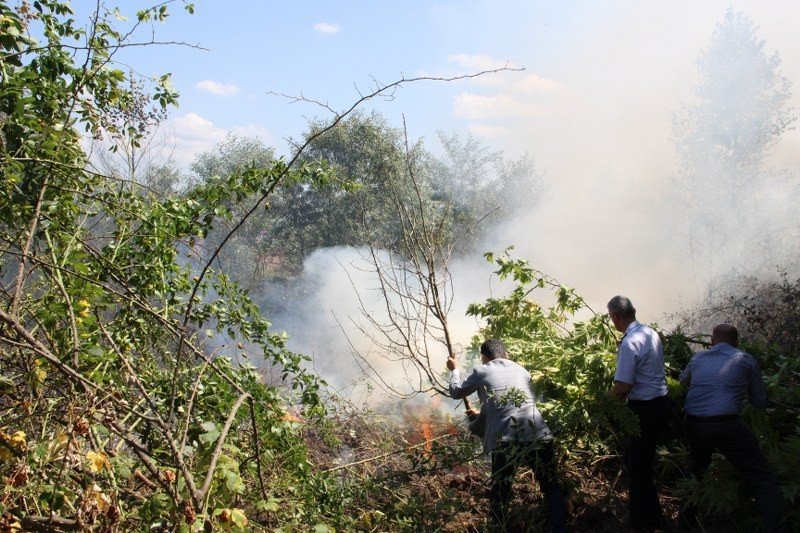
388 454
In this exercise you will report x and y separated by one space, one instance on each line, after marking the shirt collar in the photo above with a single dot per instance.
723 346
634 324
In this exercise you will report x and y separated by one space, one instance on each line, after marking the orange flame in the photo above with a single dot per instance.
427 424
427 433
289 417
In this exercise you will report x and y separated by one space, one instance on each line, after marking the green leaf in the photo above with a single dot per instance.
211 433
270 506
238 518
121 467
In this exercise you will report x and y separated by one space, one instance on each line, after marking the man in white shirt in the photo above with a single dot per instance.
640 379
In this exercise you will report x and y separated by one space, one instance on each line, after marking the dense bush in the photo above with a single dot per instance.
570 351
120 405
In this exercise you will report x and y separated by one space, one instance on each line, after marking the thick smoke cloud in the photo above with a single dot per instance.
610 222
324 312
613 221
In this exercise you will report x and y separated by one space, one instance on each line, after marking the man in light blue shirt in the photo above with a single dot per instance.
640 364
640 379
718 381
514 431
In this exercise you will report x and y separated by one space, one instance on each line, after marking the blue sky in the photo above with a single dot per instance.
577 55
330 50
592 107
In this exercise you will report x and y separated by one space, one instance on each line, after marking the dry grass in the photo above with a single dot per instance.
423 472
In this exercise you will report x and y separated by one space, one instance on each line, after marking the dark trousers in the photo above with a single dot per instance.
539 457
738 444
653 415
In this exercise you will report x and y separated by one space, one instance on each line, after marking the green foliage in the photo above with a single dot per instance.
118 407
368 157
366 195
480 183
765 312
569 350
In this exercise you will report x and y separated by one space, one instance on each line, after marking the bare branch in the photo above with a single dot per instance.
338 117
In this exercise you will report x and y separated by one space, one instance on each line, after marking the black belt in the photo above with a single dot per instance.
656 399
715 418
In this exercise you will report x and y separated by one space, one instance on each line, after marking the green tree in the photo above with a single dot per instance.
117 403
256 251
740 111
483 186
230 155
368 154
362 150
368 157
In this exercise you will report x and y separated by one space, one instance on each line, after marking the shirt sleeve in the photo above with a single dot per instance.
460 390
626 364
757 391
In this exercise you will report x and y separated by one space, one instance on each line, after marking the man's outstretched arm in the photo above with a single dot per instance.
458 389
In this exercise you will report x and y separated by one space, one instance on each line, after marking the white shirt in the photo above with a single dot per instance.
640 362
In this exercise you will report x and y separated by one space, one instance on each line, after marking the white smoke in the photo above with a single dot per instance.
324 314
610 223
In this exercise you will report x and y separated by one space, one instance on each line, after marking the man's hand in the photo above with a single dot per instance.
452 362
621 389
472 414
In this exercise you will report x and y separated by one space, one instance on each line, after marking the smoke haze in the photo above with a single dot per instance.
600 128
612 222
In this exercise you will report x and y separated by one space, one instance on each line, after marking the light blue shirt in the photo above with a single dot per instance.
718 380
640 362
504 388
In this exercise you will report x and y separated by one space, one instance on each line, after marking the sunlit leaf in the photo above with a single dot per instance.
98 461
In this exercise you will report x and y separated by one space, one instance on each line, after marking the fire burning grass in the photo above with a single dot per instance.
416 468
424 425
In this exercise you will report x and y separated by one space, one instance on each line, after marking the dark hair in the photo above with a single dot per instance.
493 349
622 306
726 333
